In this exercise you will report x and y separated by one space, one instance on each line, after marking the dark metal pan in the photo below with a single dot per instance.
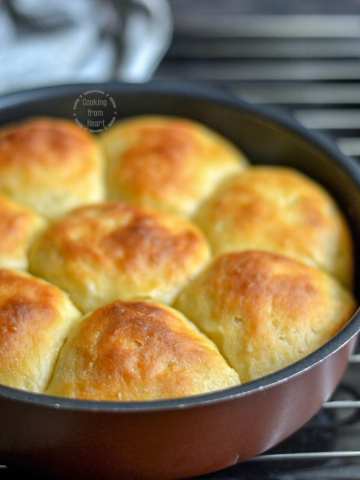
190 436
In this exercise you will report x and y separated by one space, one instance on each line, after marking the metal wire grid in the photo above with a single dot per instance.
332 404
309 65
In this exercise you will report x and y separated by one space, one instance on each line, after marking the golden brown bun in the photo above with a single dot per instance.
265 311
50 165
112 250
138 351
18 228
279 210
167 163
35 318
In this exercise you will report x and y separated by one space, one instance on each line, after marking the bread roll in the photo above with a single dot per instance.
35 318
138 350
269 297
107 251
50 165
265 311
167 163
279 210
18 228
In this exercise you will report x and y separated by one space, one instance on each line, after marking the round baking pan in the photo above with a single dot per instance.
189 436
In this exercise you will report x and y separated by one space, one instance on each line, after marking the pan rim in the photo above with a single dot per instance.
220 97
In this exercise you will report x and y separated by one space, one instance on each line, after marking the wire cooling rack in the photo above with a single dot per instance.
308 65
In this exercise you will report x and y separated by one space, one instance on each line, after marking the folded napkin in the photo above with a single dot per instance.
47 41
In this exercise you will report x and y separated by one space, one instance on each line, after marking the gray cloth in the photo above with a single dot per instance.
47 41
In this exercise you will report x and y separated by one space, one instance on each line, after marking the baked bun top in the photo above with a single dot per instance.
138 350
167 163
122 260
107 251
18 228
279 210
50 165
35 318
265 311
